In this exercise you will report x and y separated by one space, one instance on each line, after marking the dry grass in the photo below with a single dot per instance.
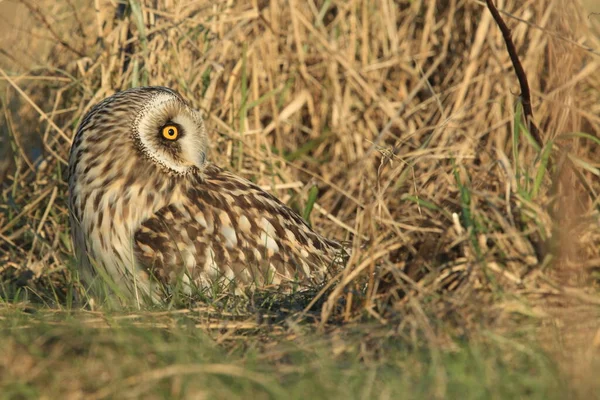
404 114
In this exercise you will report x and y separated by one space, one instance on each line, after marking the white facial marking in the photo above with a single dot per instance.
192 141
147 123
193 144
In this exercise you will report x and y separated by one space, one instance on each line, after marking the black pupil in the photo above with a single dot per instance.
171 132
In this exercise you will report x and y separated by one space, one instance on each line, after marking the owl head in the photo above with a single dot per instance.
150 123
169 132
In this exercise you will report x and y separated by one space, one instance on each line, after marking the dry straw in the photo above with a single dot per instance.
405 115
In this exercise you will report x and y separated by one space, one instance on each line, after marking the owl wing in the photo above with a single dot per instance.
229 228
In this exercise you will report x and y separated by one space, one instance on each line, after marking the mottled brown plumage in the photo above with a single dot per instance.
147 207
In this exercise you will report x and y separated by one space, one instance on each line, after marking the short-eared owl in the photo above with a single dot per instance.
149 211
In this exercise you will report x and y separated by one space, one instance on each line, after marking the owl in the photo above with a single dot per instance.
150 212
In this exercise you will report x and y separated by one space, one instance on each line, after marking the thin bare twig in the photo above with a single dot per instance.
525 93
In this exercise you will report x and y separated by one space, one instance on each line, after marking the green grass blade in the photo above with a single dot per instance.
541 171
515 141
581 135
310 203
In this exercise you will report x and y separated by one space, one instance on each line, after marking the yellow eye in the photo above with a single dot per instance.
170 132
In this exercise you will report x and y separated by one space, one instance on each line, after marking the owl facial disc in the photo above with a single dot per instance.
183 145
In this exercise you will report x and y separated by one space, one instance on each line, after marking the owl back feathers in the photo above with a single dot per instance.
229 229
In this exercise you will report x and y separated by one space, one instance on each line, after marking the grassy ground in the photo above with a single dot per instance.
476 259
174 355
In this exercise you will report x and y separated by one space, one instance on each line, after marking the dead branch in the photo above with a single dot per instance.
525 93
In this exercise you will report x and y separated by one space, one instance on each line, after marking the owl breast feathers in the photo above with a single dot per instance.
150 213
